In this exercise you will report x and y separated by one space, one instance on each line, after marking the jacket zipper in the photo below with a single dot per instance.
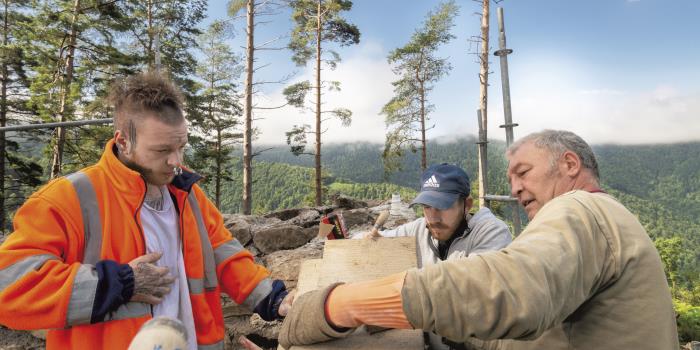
464 235
143 235
182 233
136 214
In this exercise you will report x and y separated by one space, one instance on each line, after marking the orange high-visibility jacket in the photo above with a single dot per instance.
48 278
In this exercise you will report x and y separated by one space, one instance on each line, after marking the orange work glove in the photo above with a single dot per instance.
377 302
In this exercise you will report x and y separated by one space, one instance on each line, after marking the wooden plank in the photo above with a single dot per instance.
360 260
308 276
353 260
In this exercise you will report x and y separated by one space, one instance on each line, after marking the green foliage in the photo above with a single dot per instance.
69 81
669 250
235 6
112 39
279 186
16 170
688 321
296 139
334 28
371 191
296 93
276 186
174 25
359 162
344 115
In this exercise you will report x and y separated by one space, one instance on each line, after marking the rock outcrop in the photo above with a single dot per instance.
285 238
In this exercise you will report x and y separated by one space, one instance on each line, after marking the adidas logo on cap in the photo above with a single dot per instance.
431 182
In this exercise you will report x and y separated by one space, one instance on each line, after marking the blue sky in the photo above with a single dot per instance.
613 71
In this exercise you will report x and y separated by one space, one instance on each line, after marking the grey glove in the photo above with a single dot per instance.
306 322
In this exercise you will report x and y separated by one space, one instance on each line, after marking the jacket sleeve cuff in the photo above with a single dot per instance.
115 287
126 276
268 308
413 300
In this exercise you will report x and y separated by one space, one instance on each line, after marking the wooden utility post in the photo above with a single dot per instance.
483 99
317 182
248 110
503 53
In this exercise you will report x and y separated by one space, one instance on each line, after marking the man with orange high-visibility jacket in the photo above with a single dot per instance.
96 254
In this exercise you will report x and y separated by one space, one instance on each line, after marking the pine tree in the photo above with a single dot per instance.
419 69
235 6
74 57
16 171
254 11
218 112
162 35
317 22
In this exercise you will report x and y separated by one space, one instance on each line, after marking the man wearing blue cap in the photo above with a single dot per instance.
447 230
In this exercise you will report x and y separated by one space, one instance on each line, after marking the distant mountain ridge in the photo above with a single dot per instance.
659 183
646 171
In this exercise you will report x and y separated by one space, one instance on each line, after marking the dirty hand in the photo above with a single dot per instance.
247 344
372 234
151 282
286 304
306 322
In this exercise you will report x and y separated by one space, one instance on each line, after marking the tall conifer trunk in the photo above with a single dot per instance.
65 108
248 132
319 188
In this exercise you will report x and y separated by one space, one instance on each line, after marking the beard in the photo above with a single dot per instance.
148 174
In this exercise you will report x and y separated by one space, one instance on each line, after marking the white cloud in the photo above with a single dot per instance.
661 115
365 79
567 94
601 92
545 95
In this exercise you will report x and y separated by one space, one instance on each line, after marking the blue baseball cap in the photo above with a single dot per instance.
441 185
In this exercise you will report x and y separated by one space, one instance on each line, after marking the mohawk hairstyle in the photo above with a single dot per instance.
147 92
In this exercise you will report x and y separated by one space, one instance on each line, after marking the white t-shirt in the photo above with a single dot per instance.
162 233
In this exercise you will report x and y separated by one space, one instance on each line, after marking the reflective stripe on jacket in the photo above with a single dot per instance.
48 278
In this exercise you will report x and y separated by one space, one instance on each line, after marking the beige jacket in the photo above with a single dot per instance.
583 275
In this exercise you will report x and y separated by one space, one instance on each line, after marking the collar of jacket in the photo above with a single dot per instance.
130 182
